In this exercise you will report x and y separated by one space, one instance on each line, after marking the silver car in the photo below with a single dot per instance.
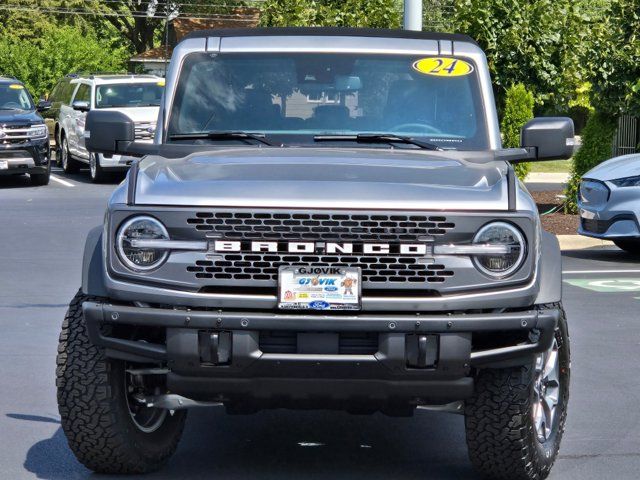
327 219
609 202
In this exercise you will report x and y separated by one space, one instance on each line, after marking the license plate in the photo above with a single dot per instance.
319 288
4 164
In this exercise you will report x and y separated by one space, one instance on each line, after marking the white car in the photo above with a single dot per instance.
609 202
138 96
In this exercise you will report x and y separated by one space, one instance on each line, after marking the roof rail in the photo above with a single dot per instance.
6 75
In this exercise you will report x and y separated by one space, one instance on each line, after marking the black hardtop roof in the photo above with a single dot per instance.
330 32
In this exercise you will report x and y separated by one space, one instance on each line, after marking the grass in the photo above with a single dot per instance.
552 166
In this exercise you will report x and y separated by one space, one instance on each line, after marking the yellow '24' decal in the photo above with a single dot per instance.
443 66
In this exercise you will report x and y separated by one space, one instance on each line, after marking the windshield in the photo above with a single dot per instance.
14 96
295 97
123 95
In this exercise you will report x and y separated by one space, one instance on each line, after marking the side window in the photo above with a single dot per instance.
56 93
68 92
83 94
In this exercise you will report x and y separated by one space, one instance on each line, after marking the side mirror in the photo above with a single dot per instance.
43 105
81 106
552 137
106 130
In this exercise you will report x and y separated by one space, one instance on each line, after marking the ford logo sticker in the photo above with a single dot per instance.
319 305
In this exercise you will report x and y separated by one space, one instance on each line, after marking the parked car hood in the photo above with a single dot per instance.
138 114
323 178
618 167
21 117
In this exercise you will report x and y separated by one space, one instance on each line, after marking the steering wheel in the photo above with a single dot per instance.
12 105
417 126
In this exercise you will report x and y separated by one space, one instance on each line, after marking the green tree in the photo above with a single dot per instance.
518 110
60 50
539 43
615 66
325 13
597 143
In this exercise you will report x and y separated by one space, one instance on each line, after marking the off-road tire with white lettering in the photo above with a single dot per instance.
501 436
93 409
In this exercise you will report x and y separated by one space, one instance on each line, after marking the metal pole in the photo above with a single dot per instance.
413 15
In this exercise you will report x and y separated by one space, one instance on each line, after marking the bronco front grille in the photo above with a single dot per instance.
303 226
375 269
378 269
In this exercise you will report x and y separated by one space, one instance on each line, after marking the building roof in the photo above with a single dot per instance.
245 17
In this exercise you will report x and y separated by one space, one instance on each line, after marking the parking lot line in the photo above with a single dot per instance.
61 181
599 271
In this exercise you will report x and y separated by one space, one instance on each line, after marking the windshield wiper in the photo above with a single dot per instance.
376 138
224 135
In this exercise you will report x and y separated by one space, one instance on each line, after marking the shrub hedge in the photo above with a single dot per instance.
518 110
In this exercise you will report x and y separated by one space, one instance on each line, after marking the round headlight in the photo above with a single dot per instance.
503 264
136 257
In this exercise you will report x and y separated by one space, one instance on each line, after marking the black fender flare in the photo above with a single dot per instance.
93 265
550 270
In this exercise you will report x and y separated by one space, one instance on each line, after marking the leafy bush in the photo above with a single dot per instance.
518 110
331 13
60 50
597 142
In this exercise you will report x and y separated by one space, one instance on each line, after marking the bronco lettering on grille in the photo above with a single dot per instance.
225 246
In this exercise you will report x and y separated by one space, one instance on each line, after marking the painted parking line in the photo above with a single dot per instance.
607 285
61 181
573 272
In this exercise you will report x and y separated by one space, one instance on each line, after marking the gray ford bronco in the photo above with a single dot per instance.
326 220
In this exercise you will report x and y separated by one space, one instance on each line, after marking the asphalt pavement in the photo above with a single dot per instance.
42 231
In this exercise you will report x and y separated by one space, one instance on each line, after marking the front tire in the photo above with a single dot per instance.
103 432
515 421
631 246
40 179
69 165
96 172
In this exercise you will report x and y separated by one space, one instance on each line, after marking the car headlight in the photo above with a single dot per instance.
500 265
136 258
38 131
627 181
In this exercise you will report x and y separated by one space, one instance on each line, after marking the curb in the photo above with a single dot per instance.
578 242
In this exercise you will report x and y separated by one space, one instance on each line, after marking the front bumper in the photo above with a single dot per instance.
617 216
415 359
29 157
115 162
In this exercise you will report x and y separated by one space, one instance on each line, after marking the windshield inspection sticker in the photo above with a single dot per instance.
443 67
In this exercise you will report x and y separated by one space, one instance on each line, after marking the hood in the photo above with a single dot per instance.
20 117
323 178
137 114
619 167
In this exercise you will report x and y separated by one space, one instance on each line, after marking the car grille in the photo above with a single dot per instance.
144 130
332 227
348 343
379 270
14 134
601 226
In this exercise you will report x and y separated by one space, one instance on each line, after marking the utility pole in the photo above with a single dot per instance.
413 15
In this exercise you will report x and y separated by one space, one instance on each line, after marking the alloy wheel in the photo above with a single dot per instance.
546 392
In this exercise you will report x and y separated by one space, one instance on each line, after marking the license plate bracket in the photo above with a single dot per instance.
310 287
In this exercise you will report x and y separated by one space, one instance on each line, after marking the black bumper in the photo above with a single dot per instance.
32 156
285 359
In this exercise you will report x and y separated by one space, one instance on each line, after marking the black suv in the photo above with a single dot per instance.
24 137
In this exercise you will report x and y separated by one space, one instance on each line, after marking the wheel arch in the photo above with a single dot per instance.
93 265
550 270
